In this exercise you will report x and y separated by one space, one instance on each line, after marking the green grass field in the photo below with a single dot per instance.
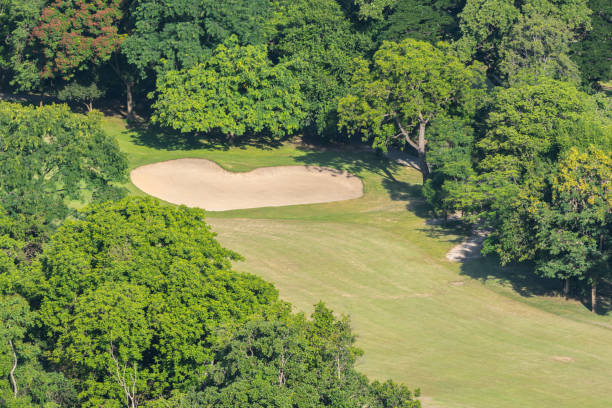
470 335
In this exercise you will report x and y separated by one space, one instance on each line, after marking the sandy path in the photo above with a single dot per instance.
203 183
468 249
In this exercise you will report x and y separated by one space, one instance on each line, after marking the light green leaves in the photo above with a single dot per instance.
237 90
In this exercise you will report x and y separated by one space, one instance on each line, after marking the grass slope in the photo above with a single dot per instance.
468 335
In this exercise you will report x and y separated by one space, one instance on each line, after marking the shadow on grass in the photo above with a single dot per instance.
520 277
149 135
524 281
351 159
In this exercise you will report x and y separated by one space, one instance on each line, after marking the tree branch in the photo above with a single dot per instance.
406 135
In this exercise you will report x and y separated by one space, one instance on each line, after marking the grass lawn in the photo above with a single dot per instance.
470 335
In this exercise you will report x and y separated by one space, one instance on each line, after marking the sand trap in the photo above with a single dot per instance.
204 184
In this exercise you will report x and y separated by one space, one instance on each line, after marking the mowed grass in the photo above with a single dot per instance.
470 335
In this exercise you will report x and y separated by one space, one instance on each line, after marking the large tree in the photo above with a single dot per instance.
408 85
529 128
237 90
287 360
139 293
24 382
178 34
509 36
574 230
319 44
49 155
75 35
451 145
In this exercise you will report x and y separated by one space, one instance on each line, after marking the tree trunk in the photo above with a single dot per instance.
12 373
421 151
129 102
594 296
231 137
566 288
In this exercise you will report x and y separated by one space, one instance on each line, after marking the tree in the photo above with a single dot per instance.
574 230
592 53
508 35
319 45
373 9
84 94
76 34
408 85
49 156
237 90
170 35
15 319
538 45
287 360
24 381
529 128
451 147
431 20
18 19
137 293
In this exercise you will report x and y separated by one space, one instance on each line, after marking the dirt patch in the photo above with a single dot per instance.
468 249
563 359
204 184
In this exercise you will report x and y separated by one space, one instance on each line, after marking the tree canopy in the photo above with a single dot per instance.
138 290
237 90
51 155
318 44
407 86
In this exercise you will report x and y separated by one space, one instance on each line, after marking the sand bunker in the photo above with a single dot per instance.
204 184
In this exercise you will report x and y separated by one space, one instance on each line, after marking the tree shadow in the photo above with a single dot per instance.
351 159
161 138
520 277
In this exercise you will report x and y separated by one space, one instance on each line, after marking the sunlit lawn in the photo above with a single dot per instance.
468 336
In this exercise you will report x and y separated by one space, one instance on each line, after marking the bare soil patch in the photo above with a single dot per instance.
204 184
468 249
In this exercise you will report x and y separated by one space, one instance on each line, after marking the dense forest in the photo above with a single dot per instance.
128 302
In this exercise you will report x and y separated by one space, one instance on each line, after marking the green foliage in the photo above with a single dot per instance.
286 360
24 383
528 129
319 45
538 45
77 92
431 20
592 53
18 19
451 144
373 9
50 155
237 90
139 290
510 37
179 34
574 230
408 85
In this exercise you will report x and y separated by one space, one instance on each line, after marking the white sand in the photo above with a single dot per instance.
204 184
